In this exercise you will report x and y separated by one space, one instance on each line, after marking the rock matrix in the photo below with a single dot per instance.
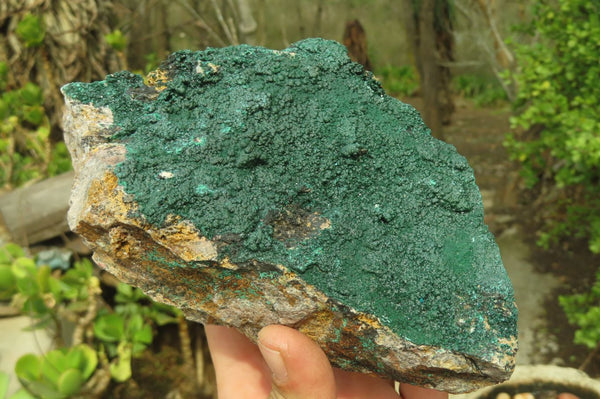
249 186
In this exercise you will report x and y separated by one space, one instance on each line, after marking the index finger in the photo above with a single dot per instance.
414 392
239 366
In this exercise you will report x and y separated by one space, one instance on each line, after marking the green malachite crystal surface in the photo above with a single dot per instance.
249 144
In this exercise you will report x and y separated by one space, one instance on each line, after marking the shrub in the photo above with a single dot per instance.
399 81
556 132
58 374
109 336
31 30
25 150
583 311
484 91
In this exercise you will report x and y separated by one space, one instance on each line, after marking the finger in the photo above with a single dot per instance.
300 368
239 366
359 386
414 392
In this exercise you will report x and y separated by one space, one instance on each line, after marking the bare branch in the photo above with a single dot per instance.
202 23
222 22
499 57
504 56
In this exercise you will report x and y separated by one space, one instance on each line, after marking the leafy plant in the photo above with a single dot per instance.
583 310
8 254
38 290
401 80
128 331
152 62
31 30
555 134
130 301
123 337
116 335
484 91
116 40
42 295
25 149
3 75
20 394
58 374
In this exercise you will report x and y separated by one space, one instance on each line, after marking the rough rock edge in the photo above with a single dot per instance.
101 212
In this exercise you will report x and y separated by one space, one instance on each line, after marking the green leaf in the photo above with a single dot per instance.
124 293
60 161
22 394
24 267
562 99
70 382
90 364
7 283
31 94
120 368
116 40
110 328
595 245
59 373
83 358
28 287
3 75
142 338
4 380
53 365
28 367
583 311
30 30
162 319
34 114
10 252
4 114
75 281
73 358
43 278
401 80
135 324
127 294
54 287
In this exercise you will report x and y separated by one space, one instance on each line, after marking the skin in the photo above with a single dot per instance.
286 364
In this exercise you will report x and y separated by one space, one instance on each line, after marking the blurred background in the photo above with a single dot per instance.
513 85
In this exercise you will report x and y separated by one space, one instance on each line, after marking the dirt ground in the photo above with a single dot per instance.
478 133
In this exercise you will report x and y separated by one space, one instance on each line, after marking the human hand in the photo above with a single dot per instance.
286 364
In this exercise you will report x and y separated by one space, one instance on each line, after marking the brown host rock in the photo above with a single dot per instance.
249 187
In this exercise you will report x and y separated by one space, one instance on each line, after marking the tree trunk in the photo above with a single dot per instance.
355 40
429 69
143 40
247 24
429 29
444 45
411 25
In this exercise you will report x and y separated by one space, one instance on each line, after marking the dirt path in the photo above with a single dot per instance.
538 276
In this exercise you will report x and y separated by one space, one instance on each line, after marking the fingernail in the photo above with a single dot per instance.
275 362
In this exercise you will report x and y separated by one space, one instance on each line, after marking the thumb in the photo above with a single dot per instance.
300 368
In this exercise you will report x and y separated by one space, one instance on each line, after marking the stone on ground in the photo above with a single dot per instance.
249 187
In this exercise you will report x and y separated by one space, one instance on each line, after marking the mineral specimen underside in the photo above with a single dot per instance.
249 186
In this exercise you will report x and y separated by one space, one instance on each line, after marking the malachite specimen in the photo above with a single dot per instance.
243 167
